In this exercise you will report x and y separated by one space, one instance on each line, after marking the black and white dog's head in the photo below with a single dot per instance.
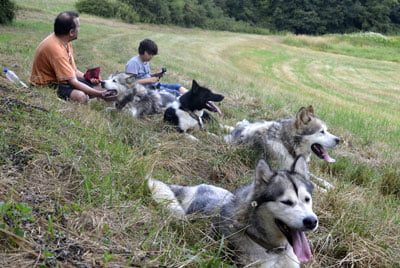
188 112
199 98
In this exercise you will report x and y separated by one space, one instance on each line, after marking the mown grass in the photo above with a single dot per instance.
362 45
81 170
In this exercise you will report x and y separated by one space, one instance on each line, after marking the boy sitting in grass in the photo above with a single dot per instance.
139 66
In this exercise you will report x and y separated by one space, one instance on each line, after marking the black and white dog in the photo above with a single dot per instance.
189 111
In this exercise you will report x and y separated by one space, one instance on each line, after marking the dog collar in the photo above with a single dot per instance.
195 117
265 245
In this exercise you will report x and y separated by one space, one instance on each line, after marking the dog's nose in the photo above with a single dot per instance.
310 222
102 83
337 140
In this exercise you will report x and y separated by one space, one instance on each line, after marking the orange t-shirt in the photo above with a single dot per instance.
53 62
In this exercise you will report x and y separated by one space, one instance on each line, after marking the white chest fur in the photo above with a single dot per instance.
189 121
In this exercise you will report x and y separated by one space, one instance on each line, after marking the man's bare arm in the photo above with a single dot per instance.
85 88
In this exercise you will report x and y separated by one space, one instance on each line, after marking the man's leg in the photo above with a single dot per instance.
66 92
173 87
79 96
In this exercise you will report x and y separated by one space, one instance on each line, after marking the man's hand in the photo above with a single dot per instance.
95 81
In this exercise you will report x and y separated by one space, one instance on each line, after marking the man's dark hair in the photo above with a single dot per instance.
149 46
64 22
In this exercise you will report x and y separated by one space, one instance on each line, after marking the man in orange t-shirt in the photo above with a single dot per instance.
54 63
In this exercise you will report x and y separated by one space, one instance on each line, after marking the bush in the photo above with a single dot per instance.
108 9
230 24
7 11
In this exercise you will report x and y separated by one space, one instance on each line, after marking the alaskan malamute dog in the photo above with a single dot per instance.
263 221
283 140
188 111
134 97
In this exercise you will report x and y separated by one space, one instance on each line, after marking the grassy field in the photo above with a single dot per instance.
72 188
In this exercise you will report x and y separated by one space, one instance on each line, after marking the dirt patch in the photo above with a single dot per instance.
8 104
18 156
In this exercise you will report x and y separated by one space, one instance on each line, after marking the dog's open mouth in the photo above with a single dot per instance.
110 94
297 240
212 107
322 153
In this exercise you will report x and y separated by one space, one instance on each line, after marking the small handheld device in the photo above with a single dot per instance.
160 74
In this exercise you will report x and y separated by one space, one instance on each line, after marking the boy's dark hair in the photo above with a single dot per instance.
149 46
64 22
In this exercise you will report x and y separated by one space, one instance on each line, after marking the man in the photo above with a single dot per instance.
54 63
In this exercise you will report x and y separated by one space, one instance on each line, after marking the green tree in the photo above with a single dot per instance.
7 11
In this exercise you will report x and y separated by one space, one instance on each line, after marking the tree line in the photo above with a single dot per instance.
297 16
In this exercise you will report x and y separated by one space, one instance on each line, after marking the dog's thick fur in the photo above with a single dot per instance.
187 112
283 140
135 98
263 221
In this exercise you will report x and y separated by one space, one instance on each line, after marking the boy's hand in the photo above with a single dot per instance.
154 79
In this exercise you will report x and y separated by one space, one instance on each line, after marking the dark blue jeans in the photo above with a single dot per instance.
171 88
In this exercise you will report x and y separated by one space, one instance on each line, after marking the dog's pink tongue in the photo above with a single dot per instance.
217 110
327 157
301 246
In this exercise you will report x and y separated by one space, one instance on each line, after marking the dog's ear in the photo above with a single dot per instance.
310 110
195 86
300 166
263 172
303 116
130 79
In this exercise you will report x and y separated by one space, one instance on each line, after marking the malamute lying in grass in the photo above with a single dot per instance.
283 140
135 98
263 221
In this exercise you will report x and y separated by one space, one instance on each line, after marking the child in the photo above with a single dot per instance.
139 65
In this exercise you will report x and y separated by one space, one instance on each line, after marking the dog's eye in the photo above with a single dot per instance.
322 131
307 199
287 202
114 81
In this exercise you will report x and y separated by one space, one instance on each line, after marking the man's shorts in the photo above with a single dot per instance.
64 90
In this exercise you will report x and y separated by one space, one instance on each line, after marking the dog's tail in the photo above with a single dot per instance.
163 194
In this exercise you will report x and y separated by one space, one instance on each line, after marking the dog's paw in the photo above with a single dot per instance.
321 183
110 109
191 137
226 128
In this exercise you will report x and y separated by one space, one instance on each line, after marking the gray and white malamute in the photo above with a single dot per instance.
283 140
263 221
134 97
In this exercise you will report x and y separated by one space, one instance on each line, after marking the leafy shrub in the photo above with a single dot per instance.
14 215
7 11
108 9
230 24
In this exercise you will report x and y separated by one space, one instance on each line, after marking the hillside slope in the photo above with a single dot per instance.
72 188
